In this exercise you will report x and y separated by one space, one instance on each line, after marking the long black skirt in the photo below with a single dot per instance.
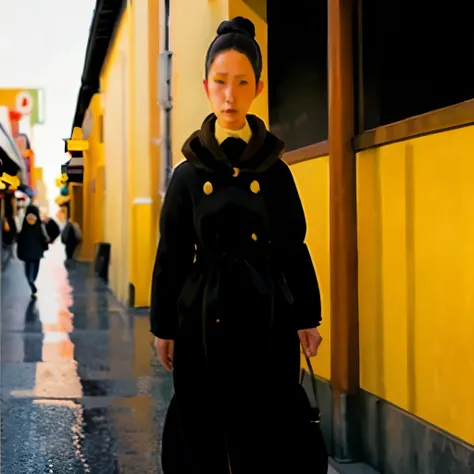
240 409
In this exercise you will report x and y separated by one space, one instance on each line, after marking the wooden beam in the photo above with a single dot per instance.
343 228
441 120
310 152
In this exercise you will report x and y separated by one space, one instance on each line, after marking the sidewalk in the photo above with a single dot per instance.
81 391
357 468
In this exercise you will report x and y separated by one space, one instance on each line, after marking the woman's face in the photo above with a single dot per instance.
31 219
231 88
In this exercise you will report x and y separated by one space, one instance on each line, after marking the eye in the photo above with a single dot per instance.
218 81
243 83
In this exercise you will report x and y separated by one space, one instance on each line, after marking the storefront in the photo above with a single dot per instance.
12 177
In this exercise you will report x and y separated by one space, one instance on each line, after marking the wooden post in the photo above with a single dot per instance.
343 230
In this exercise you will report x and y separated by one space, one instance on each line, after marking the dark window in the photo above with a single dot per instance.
297 71
416 58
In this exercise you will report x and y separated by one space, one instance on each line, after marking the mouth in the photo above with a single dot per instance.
230 111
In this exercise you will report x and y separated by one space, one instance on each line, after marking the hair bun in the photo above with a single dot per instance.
238 24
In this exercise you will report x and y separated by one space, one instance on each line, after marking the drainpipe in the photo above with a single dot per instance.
164 97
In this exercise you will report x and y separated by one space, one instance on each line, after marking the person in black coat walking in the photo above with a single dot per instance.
234 290
71 237
32 242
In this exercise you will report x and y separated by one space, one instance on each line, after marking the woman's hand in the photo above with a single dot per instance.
310 340
165 350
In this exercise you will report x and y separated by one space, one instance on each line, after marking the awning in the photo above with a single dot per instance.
76 161
24 147
13 162
74 167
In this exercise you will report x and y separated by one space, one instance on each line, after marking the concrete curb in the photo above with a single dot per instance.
355 468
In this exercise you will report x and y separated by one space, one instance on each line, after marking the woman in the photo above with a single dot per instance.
233 285
33 240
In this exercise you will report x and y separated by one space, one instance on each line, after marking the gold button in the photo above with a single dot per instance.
208 188
255 187
254 237
218 321
236 172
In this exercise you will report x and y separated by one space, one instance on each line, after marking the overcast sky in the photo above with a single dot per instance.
42 45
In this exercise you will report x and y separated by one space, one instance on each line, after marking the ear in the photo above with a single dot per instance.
205 83
260 87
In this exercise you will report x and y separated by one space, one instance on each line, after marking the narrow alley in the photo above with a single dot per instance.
304 169
81 390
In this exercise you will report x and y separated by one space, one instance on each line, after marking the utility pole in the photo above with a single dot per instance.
165 100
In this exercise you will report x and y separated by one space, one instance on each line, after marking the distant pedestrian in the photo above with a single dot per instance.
71 237
33 241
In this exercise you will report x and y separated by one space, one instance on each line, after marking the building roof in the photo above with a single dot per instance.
107 15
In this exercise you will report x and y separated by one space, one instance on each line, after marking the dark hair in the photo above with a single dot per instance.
32 209
237 34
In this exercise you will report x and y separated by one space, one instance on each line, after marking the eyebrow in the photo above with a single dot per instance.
226 74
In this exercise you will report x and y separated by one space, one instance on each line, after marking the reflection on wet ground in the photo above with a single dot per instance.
81 390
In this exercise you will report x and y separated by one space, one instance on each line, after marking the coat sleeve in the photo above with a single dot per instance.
296 261
174 257
46 237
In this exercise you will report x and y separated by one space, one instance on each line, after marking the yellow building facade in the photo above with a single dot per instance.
39 186
415 209
413 205
121 164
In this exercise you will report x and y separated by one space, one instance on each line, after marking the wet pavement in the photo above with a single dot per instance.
81 389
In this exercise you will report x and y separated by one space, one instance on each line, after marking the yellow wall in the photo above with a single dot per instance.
116 93
416 277
154 32
312 180
193 27
94 178
41 192
37 175
130 155
143 196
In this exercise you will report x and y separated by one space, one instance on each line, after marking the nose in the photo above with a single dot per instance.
229 94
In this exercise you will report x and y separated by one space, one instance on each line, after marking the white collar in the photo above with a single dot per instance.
221 133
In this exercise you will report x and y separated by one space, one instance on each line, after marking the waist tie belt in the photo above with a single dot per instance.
223 271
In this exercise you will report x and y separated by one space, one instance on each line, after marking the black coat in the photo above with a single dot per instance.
232 284
32 240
